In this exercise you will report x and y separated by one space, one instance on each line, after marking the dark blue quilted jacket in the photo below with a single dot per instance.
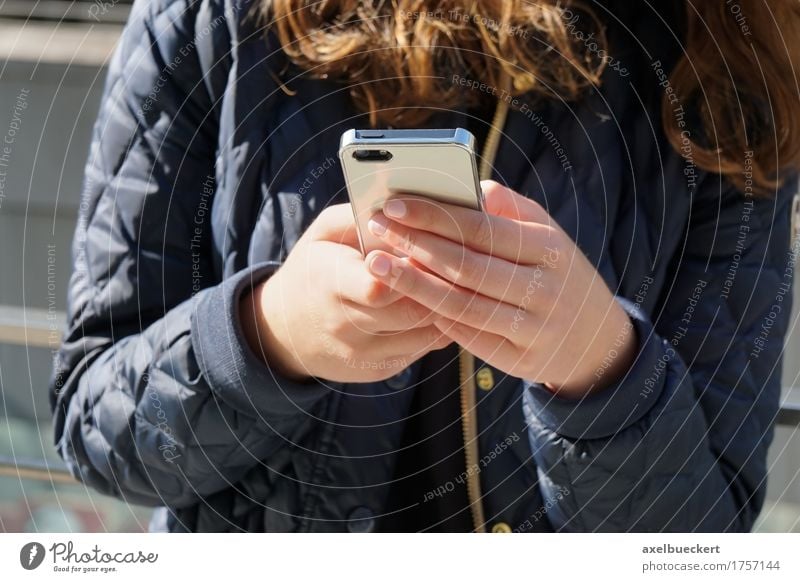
202 174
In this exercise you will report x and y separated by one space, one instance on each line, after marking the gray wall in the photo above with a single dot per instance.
38 211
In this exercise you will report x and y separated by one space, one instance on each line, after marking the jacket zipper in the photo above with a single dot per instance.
466 361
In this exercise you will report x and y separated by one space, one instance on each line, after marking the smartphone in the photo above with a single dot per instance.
436 164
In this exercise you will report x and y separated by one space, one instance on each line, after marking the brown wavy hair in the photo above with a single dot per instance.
737 74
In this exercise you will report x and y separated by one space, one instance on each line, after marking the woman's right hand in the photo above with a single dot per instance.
323 314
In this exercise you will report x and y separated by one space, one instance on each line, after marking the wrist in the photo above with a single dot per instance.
260 335
617 358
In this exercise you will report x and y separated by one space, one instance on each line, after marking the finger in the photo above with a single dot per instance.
402 315
336 223
505 202
487 346
512 240
412 342
351 279
441 296
490 276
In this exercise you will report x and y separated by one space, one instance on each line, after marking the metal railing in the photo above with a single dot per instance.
34 471
789 415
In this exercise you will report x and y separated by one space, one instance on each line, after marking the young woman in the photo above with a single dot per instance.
600 350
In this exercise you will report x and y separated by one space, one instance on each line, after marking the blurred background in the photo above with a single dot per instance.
52 55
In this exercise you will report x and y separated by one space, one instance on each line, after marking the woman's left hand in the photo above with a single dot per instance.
513 287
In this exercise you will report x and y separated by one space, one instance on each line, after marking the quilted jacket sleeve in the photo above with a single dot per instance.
156 397
680 443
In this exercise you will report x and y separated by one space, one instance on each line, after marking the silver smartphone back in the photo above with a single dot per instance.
438 164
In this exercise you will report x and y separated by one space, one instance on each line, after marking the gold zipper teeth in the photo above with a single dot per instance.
466 361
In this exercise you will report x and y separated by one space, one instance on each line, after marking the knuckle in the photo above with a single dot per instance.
375 293
554 316
414 313
469 272
408 240
542 289
537 207
347 352
469 307
432 337
422 214
552 237
543 303
532 367
406 281
481 232
337 327
425 339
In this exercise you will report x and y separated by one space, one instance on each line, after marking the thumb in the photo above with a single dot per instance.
504 202
336 224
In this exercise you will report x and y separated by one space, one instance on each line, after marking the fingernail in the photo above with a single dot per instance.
377 225
394 209
380 265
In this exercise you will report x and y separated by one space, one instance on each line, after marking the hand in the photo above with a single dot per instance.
511 285
322 314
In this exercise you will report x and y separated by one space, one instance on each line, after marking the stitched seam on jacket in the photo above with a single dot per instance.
314 496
